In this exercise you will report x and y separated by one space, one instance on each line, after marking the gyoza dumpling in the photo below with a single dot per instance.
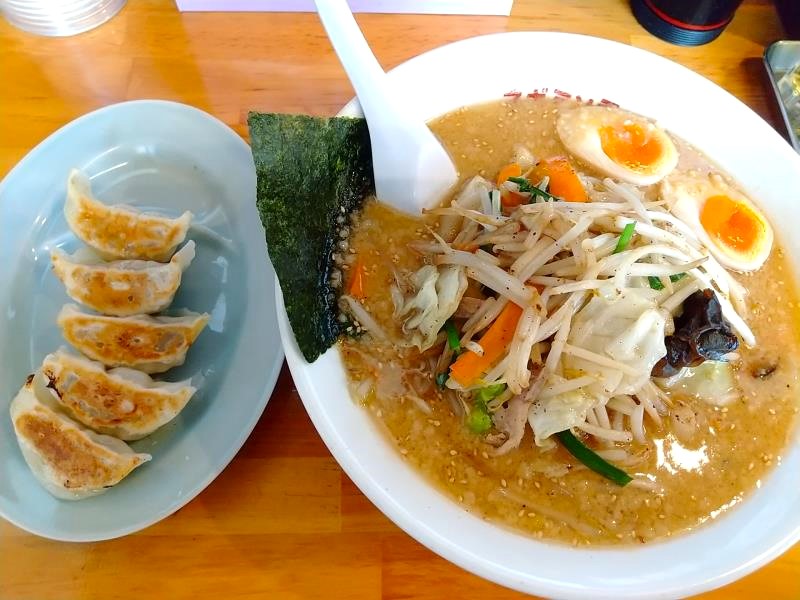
120 231
69 461
121 402
149 344
122 287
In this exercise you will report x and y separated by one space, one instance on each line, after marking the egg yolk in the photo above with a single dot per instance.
631 145
734 224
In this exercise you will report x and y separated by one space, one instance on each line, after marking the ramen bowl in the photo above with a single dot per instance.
724 549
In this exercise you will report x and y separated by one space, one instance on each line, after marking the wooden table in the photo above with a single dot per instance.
283 519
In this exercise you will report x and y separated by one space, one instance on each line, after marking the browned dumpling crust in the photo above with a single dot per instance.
121 402
148 344
69 461
120 231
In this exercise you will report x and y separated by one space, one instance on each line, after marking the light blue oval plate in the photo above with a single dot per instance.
166 157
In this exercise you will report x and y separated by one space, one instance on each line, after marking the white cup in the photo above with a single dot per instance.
59 17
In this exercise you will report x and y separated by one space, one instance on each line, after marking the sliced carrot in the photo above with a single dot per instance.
356 288
510 200
564 181
470 366
512 170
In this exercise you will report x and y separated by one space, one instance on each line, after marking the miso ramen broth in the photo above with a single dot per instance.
693 458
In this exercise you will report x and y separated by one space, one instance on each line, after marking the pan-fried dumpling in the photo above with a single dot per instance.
149 344
69 461
122 287
120 231
121 402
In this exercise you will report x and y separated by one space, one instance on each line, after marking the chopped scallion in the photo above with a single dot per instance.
592 460
441 379
656 284
453 339
483 395
625 237
479 421
526 186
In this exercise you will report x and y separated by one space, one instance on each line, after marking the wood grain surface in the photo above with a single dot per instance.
283 520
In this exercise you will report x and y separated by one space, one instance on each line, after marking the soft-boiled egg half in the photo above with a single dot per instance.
724 219
622 145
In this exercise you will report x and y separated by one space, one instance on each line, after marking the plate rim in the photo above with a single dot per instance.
272 374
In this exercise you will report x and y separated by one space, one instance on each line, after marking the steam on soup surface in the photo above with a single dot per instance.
594 288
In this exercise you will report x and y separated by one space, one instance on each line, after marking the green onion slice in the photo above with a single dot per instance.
592 460
479 421
485 394
526 186
625 237
656 284
441 379
453 339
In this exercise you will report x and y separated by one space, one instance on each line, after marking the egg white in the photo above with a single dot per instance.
579 130
687 192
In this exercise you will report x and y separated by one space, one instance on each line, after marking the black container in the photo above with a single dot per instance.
685 22
789 11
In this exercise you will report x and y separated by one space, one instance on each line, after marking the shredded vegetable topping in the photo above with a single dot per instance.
571 285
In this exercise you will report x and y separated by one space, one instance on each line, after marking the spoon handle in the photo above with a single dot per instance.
412 169
368 78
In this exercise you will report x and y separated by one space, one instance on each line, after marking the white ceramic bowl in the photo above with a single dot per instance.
764 525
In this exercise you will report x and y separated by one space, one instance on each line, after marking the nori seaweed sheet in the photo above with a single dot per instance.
310 170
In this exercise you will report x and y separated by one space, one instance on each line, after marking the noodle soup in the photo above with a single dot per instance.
554 368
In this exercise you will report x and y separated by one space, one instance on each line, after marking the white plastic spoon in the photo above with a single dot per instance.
412 169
